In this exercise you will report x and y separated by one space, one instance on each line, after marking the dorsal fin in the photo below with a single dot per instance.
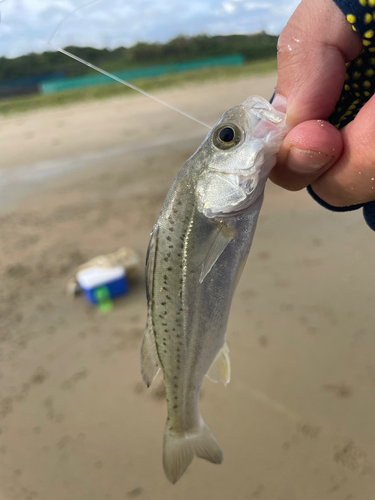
150 362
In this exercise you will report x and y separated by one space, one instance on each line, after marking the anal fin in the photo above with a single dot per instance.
220 369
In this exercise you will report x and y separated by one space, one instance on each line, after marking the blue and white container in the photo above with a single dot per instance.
101 283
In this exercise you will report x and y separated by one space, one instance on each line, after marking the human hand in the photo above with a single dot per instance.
339 165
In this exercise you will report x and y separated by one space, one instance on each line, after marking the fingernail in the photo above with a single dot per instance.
279 103
307 161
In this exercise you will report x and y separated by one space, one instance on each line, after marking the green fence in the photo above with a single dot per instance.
141 73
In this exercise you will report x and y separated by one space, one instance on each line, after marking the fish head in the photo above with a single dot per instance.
237 156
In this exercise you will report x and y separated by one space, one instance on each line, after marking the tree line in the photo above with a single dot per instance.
182 48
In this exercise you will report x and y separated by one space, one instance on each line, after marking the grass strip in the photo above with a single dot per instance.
29 103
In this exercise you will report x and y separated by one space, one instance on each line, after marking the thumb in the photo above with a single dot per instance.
312 51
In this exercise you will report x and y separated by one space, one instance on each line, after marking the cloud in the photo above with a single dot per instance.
111 23
229 7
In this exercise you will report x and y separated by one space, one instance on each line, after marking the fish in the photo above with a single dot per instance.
197 251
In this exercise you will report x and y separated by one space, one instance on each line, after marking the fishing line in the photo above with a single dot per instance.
1 19
127 84
110 75
67 17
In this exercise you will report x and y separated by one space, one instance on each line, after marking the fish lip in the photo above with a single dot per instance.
261 109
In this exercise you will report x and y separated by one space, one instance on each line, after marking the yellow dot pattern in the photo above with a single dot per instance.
359 83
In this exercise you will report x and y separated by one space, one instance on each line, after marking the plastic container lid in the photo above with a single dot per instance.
94 277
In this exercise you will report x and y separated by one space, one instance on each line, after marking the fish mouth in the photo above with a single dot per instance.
267 123
259 109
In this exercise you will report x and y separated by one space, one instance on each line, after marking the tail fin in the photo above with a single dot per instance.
180 449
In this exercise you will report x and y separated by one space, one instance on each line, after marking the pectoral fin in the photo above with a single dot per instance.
216 245
220 369
241 268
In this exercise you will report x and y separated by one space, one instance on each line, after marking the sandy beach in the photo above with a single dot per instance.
296 422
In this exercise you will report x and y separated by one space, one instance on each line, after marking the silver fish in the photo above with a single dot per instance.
196 254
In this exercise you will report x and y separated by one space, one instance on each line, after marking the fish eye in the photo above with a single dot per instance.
227 136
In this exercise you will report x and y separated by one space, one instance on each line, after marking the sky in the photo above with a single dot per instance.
26 25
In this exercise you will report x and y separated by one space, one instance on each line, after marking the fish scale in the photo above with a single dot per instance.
170 277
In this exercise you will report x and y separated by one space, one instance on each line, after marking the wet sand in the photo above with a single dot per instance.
296 421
